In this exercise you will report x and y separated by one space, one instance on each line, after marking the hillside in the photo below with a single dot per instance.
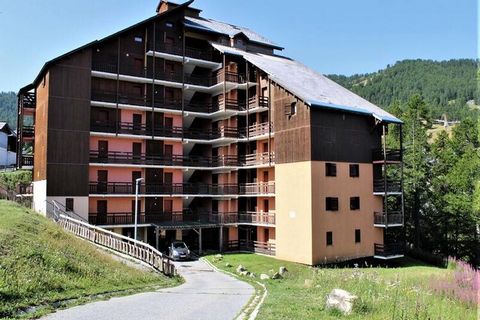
447 86
41 264
8 108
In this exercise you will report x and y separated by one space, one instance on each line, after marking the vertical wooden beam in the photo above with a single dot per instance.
220 244
269 120
118 87
401 172
154 47
385 209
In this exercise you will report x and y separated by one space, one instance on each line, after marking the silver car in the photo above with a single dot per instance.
178 250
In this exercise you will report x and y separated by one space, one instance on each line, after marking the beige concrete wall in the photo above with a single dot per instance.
344 221
293 185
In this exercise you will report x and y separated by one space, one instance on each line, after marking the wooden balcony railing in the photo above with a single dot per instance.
392 218
267 248
391 155
192 52
389 249
26 160
262 218
28 131
392 186
257 159
259 129
29 100
261 188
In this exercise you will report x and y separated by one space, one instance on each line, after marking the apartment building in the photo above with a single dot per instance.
237 147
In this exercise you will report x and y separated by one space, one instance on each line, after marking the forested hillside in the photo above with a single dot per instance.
446 86
8 108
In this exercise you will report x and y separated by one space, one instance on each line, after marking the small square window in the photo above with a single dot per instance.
354 170
169 24
358 236
330 169
354 203
138 39
331 204
293 108
329 238
69 204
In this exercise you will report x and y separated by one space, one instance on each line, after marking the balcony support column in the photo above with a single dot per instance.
385 199
220 241
157 236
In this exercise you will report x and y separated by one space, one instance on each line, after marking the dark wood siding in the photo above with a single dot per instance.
292 133
69 126
343 137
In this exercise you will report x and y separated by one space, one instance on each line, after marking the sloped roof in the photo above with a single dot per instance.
312 87
227 29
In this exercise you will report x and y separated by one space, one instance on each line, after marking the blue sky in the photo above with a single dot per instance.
331 36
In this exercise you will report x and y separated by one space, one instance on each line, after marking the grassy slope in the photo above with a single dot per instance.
385 293
40 264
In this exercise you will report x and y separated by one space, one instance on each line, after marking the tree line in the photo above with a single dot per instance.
441 183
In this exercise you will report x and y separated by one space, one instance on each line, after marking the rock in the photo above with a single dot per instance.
264 276
228 265
245 273
341 300
218 257
308 283
252 275
282 270
240 268
276 276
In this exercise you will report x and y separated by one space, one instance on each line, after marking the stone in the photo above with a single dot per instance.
308 283
218 257
276 276
282 270
244 273
228 265
240 268
341 300
264 276
252 275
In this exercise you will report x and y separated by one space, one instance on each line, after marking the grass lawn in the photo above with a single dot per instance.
384 293
41 264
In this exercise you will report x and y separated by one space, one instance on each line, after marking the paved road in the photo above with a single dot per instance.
206 294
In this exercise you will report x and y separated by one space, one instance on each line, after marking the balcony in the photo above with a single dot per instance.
267 248
390 187
26 161
260 129
114 157
28 131
176 218
390 219
29 100
177 50
257 159
257 218
389 251
390 155
197 189
260 188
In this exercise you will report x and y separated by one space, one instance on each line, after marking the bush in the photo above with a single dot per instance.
10 180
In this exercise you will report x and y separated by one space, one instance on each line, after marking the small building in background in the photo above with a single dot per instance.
8 146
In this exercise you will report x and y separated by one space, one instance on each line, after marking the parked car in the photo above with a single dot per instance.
178 250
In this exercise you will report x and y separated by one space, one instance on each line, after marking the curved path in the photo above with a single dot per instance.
206 294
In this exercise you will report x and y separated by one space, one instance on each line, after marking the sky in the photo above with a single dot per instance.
330 36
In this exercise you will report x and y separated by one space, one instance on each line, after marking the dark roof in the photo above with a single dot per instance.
4 127
49 63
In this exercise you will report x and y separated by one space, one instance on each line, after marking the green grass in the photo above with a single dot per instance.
41 264
384 293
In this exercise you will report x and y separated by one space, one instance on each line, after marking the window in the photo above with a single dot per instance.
329 238
330 169
331 204
69 204
354 203
169 24
354 170
358 236
138 39
293 108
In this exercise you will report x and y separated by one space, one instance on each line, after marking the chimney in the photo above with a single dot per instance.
166 5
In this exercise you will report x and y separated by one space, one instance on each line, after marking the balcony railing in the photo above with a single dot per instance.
183 188
389 250
27 161
175 217
192 52
29 100
263 218
259 129
28 131
267 248
392 186
262 188
165 160
257 159
391 155
392 218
